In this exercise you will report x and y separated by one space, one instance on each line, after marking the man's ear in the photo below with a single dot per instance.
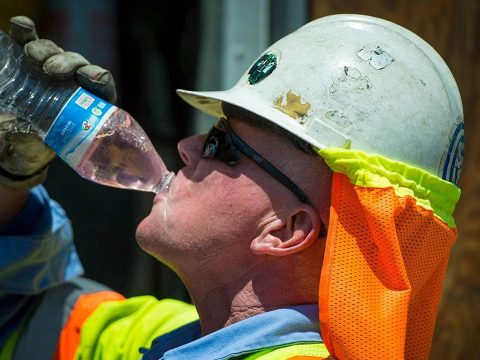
296 232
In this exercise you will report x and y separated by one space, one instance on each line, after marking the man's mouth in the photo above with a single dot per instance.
165 191
158 197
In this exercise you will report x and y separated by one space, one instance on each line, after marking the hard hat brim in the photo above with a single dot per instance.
210 102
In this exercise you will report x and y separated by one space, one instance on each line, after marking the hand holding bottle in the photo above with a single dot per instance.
24 158
102 142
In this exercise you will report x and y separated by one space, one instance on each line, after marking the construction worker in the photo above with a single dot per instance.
314 220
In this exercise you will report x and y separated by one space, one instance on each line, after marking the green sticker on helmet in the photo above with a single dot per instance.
262 68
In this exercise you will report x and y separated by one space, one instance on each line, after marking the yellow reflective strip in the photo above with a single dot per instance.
117 329
313 350
371 170
6 353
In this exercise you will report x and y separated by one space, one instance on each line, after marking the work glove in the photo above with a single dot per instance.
24 158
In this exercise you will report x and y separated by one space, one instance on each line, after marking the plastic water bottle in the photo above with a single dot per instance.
102 142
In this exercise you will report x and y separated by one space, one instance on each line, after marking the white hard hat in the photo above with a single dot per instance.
359 82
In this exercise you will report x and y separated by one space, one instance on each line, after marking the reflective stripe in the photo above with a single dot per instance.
6 353
118 330
84 307
41 334
297 351
16 311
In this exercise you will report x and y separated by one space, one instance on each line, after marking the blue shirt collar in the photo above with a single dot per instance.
274 328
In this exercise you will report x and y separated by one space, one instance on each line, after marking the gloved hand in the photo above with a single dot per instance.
24 158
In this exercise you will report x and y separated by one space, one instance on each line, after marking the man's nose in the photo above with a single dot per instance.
190 149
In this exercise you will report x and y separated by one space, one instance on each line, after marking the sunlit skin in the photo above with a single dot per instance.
241 242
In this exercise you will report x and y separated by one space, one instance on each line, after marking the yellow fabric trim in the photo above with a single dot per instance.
6 353
318 350
117 329
371 170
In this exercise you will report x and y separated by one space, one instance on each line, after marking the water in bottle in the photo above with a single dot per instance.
102 142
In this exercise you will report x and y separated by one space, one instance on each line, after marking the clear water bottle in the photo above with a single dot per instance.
102 142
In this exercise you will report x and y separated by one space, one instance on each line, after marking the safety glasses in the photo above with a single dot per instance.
223 144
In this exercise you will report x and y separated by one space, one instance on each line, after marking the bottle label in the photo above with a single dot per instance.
76 125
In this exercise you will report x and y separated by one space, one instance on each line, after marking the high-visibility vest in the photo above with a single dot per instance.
113 327
52 330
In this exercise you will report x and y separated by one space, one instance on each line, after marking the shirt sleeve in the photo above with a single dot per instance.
36 247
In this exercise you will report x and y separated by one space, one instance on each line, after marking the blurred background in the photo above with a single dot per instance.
153 48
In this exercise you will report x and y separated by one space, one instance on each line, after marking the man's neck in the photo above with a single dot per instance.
244 297
219 308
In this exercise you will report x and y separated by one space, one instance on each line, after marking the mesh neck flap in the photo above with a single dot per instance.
386 255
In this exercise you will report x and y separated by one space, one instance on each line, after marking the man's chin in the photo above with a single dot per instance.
145 234
151 237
